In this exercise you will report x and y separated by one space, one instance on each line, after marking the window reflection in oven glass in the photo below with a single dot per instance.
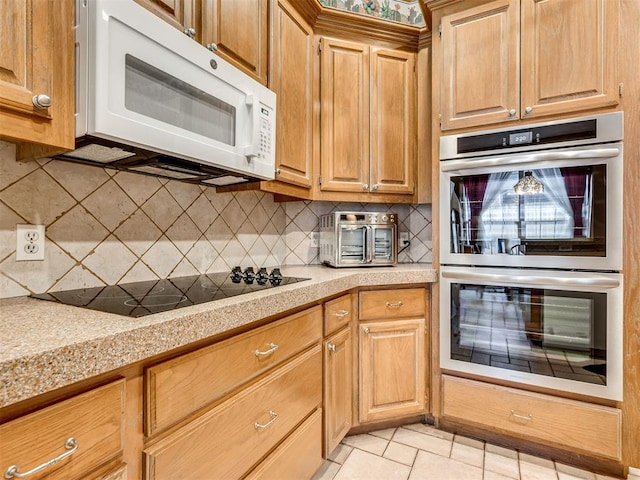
546 332
568 217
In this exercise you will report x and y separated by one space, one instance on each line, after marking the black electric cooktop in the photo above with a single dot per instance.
138 299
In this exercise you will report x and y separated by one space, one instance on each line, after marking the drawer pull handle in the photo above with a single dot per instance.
341 313
274 417
331 347
71 445
272 348
394 305
528 417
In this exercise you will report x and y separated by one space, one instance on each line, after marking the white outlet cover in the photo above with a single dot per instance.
29 242
315 239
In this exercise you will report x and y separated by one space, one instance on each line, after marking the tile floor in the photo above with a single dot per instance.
421 452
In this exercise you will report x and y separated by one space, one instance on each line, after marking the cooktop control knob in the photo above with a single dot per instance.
249 275
236 274
275 277
262 277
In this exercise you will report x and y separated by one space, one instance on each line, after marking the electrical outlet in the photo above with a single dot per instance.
315 239
29 242
403 238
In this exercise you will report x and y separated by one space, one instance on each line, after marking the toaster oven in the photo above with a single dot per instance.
358 239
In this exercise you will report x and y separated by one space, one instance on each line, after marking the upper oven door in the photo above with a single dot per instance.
571 220
150 86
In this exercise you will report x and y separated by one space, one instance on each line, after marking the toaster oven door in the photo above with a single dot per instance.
352 245
382 245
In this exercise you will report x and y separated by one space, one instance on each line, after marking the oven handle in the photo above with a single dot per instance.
457 165
560 281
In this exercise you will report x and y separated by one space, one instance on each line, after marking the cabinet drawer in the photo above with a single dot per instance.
570 423
93 419
299 456
378 304
227 441
337 314
181 386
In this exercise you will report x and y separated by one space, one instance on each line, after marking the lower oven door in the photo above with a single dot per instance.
553 329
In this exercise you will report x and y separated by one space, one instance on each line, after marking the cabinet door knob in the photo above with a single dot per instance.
213 47
528 110
375 187
190 32
331 347
366 330
512 112
277 172
365 186
41 101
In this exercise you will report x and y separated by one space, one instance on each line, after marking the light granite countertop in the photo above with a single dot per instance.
45 345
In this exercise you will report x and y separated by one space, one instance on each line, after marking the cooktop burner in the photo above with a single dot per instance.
144 298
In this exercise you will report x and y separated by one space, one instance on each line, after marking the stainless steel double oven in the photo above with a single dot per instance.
531 250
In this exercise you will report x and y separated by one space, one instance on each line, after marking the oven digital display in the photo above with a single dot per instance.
520 138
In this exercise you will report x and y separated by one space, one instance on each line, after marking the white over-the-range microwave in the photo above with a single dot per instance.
150 99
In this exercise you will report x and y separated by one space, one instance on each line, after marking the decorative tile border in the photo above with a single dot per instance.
405 11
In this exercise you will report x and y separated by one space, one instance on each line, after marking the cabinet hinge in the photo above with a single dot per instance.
621 89
440 30
320 180
319 46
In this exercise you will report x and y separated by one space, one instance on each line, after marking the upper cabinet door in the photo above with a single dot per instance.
239 30
291 77
393 121
182 14
344 97
36 81
568 56
480 69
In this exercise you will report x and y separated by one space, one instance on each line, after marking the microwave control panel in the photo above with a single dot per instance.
266 132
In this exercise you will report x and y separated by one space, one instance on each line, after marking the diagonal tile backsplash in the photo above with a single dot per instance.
106 227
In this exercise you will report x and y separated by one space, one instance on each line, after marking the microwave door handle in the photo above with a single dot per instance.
518 159
253 149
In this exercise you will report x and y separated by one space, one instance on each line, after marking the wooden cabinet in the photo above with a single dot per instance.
181 386
297 457
338 370
392 354
231 438
521 59
36 81
236 30
182 14
338 387
566 423
239 30
291 78
368 111
87 428
233 402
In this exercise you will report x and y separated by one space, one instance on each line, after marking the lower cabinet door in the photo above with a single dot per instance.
227 441
298 457
338 388
82 433
392 369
